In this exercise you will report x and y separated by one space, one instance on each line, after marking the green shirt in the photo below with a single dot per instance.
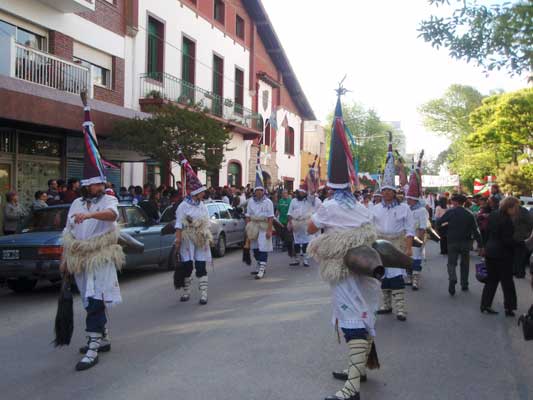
283 209
475 208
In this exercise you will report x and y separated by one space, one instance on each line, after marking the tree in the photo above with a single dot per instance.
505 121
202 139
495 37
517 179
449 114
371 136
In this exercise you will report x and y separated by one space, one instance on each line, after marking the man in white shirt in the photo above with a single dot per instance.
259 220
300 211
193 237
394 222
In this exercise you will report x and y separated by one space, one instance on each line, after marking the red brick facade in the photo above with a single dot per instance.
114 95
61 45
109 16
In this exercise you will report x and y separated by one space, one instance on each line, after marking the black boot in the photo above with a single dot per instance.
488 310
91 357
451 288
343 376
354 397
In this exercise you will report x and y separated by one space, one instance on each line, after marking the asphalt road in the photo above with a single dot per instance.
268 339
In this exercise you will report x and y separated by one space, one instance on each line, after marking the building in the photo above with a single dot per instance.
225 56
50 50
314 146
128 54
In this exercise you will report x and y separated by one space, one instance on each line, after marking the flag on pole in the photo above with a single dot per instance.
259 182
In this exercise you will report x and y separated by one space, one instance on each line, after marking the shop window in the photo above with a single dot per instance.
212 178
188 70
39 145
218 84
239 91
239 27
23 36
156 48
234 174
219 11
289 141
101 76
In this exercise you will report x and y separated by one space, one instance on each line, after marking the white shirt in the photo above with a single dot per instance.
91 228
100 283
394 220
188 251
301 210
264 209
332 216
420 218
355 299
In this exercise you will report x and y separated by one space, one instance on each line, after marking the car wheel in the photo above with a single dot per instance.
220 248
21 285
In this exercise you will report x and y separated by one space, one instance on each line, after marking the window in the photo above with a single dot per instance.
219 12
239 27
218 84
156 38
267 137
224 213
289 141
37 145
212 209
239 91
188 70
153 174
100 75
23 36
134 217
234 174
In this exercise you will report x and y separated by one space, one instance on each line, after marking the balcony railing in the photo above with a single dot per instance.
161 85
38 67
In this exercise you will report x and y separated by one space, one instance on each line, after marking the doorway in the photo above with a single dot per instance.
5 186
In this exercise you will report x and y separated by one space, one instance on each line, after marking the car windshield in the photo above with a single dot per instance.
46 220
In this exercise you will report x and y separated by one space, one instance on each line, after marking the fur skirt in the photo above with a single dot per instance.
329 250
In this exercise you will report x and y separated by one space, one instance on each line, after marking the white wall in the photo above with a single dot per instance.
289 165
72 25
179 22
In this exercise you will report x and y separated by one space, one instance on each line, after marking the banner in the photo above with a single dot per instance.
436 180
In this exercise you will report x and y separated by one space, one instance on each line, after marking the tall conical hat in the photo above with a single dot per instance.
341 171
390 170
415 180
93 167
194 186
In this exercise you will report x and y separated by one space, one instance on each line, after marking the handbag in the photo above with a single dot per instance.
481 272
526 320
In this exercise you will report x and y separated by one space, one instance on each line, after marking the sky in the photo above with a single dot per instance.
374 43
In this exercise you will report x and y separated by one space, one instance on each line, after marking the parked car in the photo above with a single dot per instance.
35 253
227 225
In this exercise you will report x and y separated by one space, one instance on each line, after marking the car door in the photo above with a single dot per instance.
136 224
167 241
238 224
225 222
214 218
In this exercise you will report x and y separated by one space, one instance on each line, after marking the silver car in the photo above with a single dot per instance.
227 225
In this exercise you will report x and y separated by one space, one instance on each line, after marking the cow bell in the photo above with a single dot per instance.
391 257
364 260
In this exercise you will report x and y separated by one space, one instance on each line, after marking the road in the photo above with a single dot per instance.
268 339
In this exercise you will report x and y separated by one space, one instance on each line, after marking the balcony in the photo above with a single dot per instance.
41 68
71 6
160 87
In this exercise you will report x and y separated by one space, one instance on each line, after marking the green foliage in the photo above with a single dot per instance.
172 127
506 121
517 179
495 37
372 150
449 114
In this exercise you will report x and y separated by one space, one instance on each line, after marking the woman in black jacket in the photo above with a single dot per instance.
499 257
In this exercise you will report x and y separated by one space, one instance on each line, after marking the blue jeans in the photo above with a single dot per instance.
96 318
395 283
354 334
260 256
417 265
200 267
